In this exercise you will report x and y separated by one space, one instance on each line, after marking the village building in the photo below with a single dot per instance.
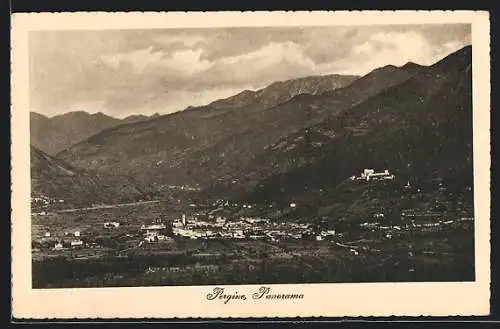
150 238
111 225
76 243
153 229
220 220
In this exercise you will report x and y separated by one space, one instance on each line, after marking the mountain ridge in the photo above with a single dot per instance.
427 135
204 144
53 134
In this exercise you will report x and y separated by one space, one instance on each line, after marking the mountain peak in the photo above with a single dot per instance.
386 68
458 59
100 115
283 90
410 65
78 112
389 67
38 115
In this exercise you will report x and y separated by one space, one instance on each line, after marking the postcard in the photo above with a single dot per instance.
250 164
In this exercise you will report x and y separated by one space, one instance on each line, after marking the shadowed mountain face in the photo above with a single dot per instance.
56 179
59 132
207 144
420 129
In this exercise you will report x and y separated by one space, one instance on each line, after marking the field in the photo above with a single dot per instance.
120 257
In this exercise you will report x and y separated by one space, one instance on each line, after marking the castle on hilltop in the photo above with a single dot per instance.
371 175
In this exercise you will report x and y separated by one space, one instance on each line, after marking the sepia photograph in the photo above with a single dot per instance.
261 155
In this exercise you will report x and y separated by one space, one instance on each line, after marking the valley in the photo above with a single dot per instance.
407 234
319 179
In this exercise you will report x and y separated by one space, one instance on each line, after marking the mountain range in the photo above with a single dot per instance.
54 134
293 140
421 129
203 145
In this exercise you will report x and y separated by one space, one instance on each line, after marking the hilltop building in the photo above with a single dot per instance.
371 175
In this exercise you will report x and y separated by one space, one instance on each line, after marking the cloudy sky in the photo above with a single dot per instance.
165 70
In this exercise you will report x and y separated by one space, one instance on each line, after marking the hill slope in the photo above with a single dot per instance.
420 129
61 131
56 179
204 145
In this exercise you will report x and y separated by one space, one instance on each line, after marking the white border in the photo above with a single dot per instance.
367 299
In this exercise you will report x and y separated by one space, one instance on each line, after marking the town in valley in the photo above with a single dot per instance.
182 240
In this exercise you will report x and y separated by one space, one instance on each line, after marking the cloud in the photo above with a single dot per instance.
184 40
139 59
147 71
273 61
396 48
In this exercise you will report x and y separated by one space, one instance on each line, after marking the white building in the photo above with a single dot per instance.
47 234
177 224
58 246
187 233
162 237
111 225
76 243
77 233
150 238
153 229
238 234
370 174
